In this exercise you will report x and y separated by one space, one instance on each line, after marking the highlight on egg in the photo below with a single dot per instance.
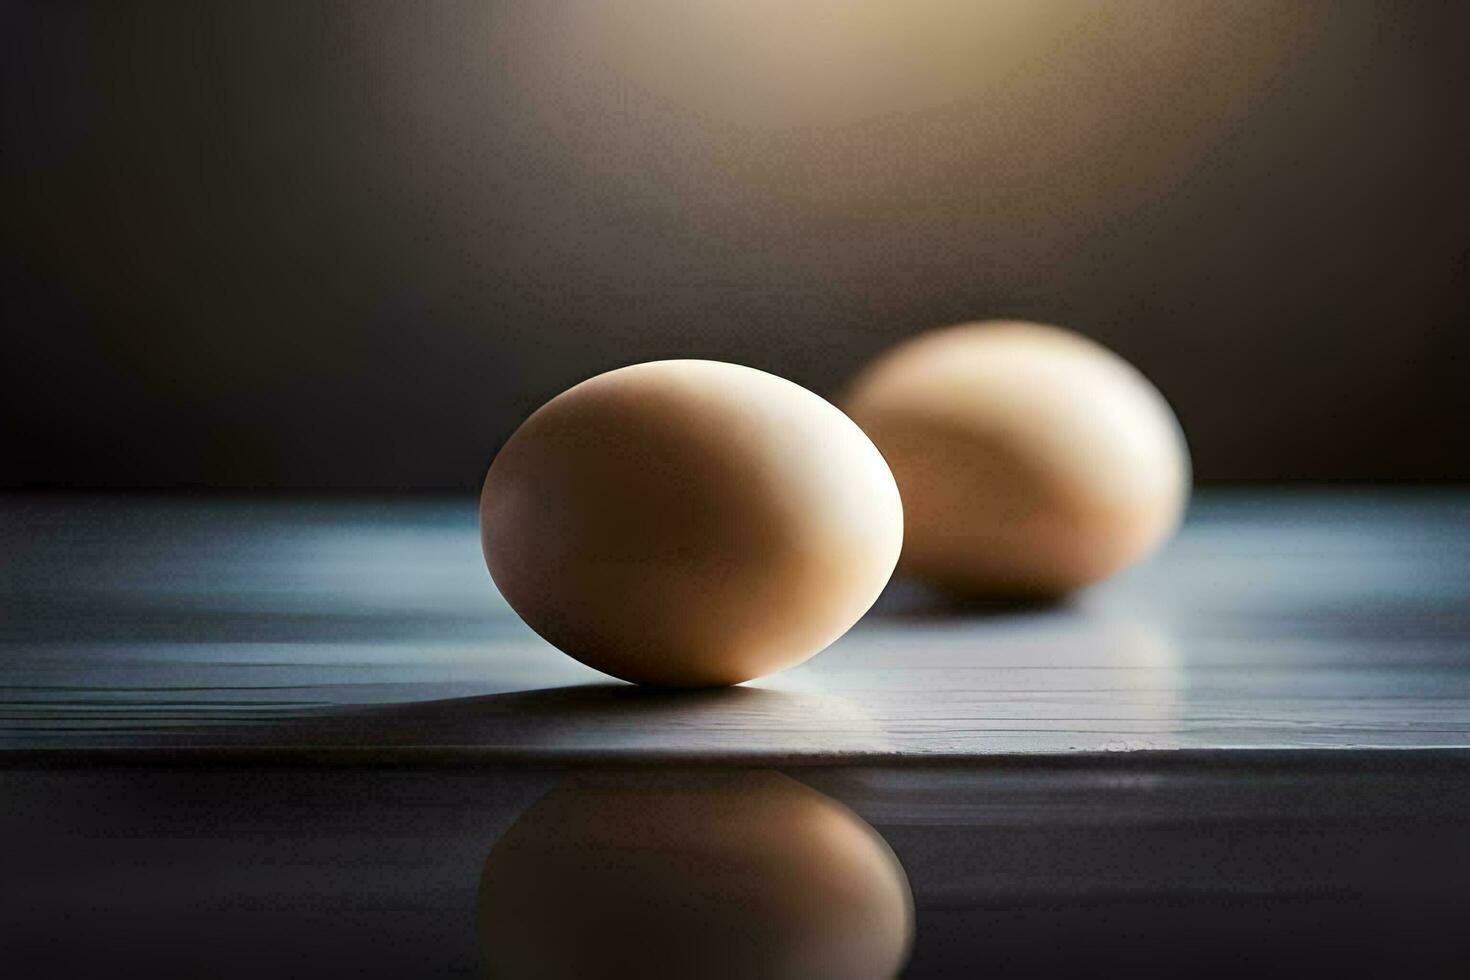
1032 460
690 523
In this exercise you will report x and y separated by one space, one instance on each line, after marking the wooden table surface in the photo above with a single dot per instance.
1248 757
1349 866
369 630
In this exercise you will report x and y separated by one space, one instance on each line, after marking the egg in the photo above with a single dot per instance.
1032 461
714 874
690 523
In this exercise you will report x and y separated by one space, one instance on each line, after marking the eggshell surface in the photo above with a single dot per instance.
690 523
715 874
1032 461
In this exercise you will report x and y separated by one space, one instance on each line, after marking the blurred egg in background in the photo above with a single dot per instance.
1031 460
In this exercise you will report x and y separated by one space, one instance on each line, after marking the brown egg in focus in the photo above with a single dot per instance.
713 874
690 523
1032 461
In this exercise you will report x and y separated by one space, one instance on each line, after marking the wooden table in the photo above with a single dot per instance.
1297 620
277 738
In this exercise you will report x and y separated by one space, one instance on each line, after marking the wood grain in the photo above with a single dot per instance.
369 630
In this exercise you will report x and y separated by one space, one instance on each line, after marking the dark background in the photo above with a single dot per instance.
352 245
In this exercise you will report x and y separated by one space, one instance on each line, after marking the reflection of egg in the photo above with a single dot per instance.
1032 461
718 874
690 523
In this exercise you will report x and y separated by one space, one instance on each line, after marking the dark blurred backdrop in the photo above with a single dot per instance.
352 245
